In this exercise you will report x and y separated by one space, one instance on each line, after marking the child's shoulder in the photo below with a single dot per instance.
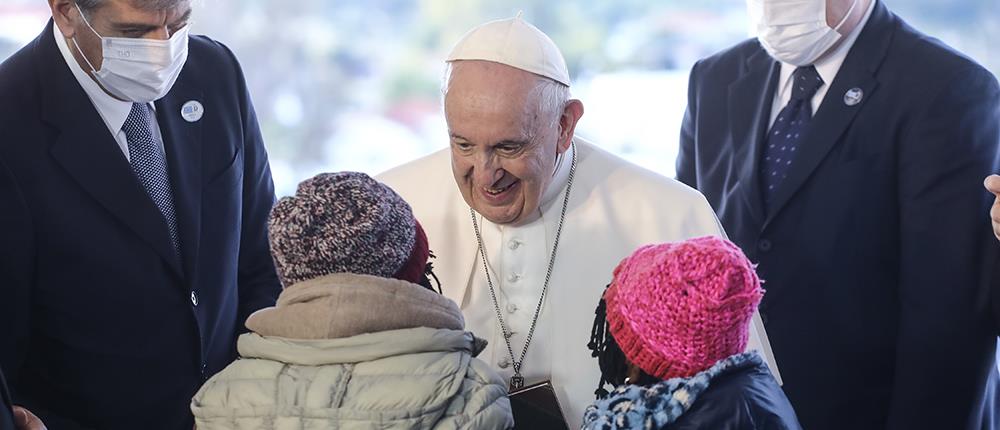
744 397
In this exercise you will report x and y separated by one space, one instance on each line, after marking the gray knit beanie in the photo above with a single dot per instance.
345 222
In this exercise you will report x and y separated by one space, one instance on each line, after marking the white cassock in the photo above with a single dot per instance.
614 208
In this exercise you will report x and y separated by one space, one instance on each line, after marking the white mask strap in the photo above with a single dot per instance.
86 21
77 45
847 15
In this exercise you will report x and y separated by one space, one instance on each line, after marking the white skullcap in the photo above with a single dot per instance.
516 43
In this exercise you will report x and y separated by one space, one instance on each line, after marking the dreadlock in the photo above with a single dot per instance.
610 358
429 273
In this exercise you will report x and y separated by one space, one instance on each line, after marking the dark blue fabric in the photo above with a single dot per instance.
877 248
6 408
744 399
105 325
786 132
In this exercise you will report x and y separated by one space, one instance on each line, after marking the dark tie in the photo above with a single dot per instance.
150 166
783 140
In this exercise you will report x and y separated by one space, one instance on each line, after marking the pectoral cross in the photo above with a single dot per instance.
516 382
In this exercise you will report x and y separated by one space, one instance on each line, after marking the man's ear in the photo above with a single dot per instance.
63 14
567 123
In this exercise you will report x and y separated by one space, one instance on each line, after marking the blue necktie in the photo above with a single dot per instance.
783 140
150 166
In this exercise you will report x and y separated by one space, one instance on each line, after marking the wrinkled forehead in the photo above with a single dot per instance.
488 76
491 89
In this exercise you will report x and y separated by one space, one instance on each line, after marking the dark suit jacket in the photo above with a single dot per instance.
104 327
876 250
6 409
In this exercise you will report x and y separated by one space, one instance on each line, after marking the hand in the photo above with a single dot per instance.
25 420
992 184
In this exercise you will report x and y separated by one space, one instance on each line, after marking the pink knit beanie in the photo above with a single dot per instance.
675 309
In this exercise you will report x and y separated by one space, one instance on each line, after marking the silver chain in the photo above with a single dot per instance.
517 380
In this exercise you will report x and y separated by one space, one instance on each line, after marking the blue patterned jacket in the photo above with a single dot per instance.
738 392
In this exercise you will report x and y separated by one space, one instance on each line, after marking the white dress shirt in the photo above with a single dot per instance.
113 111
827 67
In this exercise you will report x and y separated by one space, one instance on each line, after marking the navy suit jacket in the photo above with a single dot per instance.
104 327
876 251
6 409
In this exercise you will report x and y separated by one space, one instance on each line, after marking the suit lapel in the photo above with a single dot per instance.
88 152
182 141
834 115
750 100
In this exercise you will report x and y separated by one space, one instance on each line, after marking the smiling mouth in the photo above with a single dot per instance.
499 189
505 183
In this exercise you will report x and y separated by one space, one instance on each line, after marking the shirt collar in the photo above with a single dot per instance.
829 65
560 177
113 111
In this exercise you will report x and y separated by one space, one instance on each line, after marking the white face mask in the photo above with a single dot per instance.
795 31
139 70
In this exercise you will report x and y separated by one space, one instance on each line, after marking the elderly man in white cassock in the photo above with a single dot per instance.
527 240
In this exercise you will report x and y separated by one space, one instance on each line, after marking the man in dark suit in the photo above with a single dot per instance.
135 190
866 218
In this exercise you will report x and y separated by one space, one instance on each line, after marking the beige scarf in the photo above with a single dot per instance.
346 304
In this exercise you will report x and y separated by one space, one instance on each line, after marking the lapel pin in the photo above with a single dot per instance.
192 111
853 96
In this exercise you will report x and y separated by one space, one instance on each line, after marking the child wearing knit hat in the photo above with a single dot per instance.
358 338
670 334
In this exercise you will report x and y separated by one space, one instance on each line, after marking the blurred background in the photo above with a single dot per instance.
354 84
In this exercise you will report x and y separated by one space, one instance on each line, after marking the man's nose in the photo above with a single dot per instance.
161 33
487 171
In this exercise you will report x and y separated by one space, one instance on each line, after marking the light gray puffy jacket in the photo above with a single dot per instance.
404 378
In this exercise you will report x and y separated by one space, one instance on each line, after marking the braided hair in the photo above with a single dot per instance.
425 278
610 358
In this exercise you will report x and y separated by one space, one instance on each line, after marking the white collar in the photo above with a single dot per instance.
113 111
560 178
829 65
